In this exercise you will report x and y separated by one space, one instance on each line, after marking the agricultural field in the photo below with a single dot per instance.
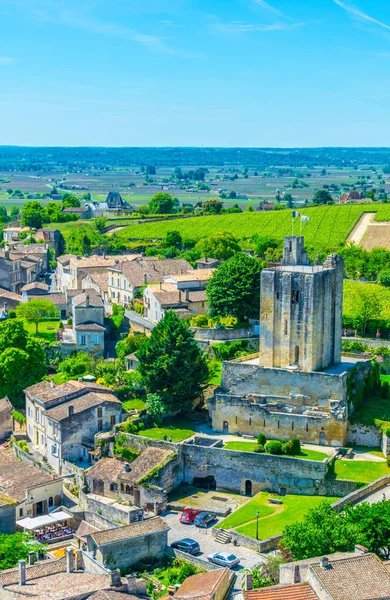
328 225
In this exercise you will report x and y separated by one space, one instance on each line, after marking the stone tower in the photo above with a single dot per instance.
301 311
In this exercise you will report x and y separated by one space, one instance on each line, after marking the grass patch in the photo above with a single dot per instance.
250 446
135 404
368 450
46 329
216 368
273 518
360 471
177 428
372 410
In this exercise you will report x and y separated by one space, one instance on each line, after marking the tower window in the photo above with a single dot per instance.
285 327
307 426
250 421
278 295
236 420
278 424
290 246
264 423
295 296
297 355
292 426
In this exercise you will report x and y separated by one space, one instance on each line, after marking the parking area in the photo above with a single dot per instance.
208 544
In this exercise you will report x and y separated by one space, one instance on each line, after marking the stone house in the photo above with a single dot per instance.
214 585
340 576
353 196
62 273
63 420
299 383
9 300
6 421
142 482
83 212
125 279
35 492
123 547
160 298
87 331
80 266
208 263
131 362
7 514
97 281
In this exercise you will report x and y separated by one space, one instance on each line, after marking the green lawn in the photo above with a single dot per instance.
177 428
360 470
135 404
46 329
273 518
250 446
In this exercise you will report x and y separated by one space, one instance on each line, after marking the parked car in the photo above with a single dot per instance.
225 559
203 519
188 515
187 545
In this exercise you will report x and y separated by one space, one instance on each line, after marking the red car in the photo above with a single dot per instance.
188 515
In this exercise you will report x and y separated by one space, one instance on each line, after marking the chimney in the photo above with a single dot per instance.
141 587
324 562
131 583
87 301
359 549
70 410
52 384
248 582
160 285
31 558
5 308
145 277
171 590
22 572
127 467
69 560
187 295
206 259
115 577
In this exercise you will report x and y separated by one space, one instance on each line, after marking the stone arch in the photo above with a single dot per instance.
248 487
225 427
322 438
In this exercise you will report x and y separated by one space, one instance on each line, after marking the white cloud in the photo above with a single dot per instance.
361 15
7 60
234 27
267 6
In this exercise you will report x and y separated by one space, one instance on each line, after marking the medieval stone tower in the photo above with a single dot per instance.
301 311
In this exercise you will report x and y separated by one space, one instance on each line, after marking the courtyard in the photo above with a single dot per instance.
272 518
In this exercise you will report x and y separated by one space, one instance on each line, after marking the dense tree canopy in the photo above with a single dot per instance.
129 345
322 197
161 203
234 289
22 361
220 245
15 547
172 364
33 214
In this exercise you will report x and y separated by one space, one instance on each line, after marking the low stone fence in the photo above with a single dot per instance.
30 459
219 512
362 492
250 543
211 333
198 562
364 435
139 442
107 511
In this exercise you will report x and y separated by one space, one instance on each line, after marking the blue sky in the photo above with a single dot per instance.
195 72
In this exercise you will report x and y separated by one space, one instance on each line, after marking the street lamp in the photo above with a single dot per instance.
257 524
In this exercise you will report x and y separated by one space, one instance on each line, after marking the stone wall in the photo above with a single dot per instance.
107 511
128 552
361 493
223 335
5 419
364 435
248 542
198 562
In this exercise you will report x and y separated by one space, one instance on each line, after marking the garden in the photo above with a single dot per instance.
272 518
172 572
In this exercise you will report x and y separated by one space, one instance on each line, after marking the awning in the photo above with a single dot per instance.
36 522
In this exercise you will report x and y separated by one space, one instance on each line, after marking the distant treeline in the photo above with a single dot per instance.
46 159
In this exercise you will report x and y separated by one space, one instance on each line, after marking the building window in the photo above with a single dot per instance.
28 411
96 340
122 487
295 296
51 502
37 415
83 340
20 512
113 487
100 411
113 295
129 490
285 327
113 419
54 449
100 425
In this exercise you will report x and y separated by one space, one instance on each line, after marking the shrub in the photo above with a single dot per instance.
296 445
70 321
287 448
18 416
384 278
273 447
259 448
261 439
12 314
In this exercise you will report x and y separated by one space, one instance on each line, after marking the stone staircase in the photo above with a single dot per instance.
223 536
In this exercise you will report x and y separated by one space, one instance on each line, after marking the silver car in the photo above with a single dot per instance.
225 559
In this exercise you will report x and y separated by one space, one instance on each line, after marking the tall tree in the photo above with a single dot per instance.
172 365
221 245
322 197
234 289
37 309
33 214
161 203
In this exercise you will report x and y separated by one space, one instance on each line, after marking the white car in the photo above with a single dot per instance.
225 559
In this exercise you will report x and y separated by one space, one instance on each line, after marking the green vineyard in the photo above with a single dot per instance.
328 225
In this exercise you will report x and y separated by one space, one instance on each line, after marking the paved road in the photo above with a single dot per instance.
207 543
133 316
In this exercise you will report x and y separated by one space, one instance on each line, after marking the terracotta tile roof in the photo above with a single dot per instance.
203 585
297 591
6 500
17 476
108 536
80 404
65 258
57 298
84 528
90 327
195 275
95 300
11 295
168 295
101 261
114 595
40 569
35 285
152 268
108 469
100 279
363 577
199 296
46 392
149 459
5 405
